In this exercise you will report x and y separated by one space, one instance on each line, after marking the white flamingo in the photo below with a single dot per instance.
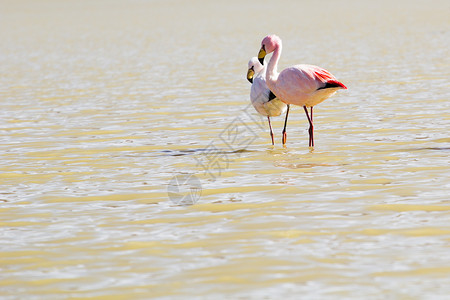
263 100
303 85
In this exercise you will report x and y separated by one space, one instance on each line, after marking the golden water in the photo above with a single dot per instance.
104 104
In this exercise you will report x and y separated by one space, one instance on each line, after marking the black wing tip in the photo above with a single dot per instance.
331 84
271 96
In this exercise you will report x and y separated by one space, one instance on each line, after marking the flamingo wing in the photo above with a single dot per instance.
263 100
301 84
259 94
323 76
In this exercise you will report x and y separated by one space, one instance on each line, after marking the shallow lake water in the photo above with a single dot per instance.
133 167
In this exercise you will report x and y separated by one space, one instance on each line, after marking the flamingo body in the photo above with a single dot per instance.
263 100
260 93
303 85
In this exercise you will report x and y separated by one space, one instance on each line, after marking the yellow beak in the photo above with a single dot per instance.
261 55
250 74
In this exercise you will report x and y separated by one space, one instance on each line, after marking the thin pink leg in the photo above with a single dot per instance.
284 128
311 127
271 131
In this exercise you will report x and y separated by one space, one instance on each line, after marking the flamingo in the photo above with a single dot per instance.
263 100
303 85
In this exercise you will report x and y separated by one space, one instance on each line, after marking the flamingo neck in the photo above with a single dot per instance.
272 73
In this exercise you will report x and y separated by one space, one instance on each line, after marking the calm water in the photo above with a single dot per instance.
113 113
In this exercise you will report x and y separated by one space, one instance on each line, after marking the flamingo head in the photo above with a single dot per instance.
268 45
253 67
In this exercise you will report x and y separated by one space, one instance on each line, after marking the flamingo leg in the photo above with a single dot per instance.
284 128
311 126
271 131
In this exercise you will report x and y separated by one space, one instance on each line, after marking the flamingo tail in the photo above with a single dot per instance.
333 84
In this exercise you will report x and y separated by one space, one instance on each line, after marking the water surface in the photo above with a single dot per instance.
104 103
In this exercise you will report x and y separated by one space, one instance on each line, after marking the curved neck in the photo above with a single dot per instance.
262 71
272 73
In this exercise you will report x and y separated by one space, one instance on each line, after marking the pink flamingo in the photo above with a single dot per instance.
303 85
263 100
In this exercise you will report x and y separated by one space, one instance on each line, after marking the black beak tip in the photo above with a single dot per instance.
250 80
261 60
